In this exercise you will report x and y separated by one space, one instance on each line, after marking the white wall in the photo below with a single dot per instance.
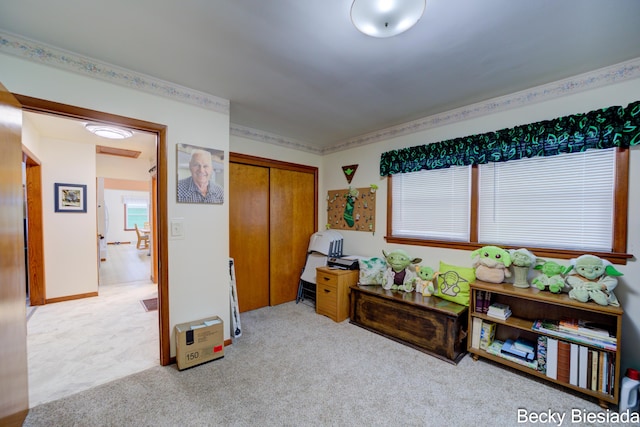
198 263
242 145
70 242
70 245
368 158
123 168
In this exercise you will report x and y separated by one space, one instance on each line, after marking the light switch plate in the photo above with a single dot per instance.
177 228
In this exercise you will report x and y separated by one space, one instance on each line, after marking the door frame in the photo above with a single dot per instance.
35 243
161 264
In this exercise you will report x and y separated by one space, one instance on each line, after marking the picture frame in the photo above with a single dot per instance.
200 174
70 197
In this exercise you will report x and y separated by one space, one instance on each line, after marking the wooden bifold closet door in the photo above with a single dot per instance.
272 215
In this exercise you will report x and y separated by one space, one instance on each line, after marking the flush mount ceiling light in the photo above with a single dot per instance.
108 131
386 18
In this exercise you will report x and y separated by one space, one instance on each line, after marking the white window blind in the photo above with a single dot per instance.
563 202
433 204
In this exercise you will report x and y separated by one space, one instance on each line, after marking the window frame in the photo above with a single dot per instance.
617 255
125 215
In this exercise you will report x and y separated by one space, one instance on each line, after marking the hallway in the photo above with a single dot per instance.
75 345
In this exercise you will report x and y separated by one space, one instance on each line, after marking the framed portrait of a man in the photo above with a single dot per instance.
200 174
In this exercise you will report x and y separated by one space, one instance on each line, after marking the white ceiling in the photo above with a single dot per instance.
73 130
299 69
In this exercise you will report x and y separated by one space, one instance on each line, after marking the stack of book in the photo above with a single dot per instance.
496 349
586 328
499 311
521 348
587 334
483 300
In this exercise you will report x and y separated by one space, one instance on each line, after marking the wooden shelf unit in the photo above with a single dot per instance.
332 292
530 304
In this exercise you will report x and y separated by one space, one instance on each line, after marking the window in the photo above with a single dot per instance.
432 204
135 214
558 206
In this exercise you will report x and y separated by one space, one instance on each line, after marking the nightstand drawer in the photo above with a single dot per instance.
323 278
326 300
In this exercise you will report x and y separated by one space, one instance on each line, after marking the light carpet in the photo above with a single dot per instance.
292 367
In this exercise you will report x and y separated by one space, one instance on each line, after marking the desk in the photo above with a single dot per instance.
429 324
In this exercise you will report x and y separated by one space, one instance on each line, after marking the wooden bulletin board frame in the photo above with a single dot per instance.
363 216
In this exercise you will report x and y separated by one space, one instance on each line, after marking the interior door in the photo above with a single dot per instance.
249 233
292 213
14 396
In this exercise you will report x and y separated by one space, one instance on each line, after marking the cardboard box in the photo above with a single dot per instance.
199 341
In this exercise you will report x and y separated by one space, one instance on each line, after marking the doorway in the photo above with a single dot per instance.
35 105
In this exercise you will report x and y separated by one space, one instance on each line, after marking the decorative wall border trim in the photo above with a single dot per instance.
49 55
269 138
69 61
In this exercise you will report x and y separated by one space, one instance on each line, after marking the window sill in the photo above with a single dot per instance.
614 258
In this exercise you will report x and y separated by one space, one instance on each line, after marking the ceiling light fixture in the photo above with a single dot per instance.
386 18
108 131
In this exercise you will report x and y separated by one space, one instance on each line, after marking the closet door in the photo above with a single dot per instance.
249 233
292 222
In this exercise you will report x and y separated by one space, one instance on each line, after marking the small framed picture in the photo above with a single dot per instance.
70 197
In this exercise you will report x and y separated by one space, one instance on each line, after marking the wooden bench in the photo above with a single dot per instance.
429 324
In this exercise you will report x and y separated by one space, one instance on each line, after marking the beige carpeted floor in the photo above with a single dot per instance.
292 367
75 345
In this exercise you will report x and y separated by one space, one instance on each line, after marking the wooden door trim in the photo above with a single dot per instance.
35 242
70 111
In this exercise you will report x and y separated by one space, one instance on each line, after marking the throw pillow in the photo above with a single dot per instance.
372 271
453 283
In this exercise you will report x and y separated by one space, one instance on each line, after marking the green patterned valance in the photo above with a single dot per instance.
605 128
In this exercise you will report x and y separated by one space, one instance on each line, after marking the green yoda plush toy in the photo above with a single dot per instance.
424 281
593 278
552 277
492 264
399 275
522 262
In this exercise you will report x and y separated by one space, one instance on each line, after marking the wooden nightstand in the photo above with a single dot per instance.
332 292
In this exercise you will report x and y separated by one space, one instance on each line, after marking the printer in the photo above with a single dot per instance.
344 263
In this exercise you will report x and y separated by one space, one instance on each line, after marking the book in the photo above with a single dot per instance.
564 361
594 369
583 366
486 302
586 328
499 308
541 354
525 345
551 327
475 334
509 347
487 334
480 301
499 311
552 358
496 349
573 372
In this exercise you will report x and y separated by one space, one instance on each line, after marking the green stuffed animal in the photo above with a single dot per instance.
593 278
552 277
522 261
492 264
399 275
424 281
